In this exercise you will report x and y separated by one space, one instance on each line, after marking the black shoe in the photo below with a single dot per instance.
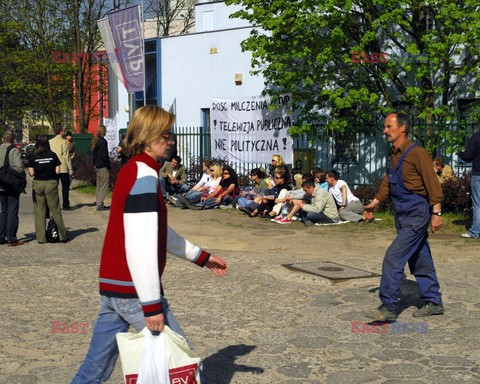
184 201
67 208
382 313
429 309
103 208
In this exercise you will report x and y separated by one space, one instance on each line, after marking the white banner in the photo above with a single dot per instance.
112 136
246 130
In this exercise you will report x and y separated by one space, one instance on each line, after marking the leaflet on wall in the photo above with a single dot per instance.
112 136
247 130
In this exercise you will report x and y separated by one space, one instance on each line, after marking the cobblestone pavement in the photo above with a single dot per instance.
263 323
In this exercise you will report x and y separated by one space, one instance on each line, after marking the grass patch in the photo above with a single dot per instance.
452 222
88 189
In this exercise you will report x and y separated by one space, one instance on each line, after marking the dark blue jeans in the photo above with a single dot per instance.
9 204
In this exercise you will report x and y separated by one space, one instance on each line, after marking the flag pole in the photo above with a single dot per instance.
143 50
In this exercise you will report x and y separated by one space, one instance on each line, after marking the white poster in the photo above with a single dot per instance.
246 130
112 136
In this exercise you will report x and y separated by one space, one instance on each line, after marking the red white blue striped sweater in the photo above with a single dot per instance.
138 238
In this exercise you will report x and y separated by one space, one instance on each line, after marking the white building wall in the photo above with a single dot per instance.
192 73
214 16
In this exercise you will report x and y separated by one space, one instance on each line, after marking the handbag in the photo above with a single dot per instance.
11 180
52 231
138 359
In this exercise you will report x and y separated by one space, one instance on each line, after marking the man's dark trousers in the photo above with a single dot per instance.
65 179
412 219
9 216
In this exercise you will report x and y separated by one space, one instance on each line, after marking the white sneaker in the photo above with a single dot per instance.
466 236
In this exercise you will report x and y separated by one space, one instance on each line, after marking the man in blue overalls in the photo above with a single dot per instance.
416 197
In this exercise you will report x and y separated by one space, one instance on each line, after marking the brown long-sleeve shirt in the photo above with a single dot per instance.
418 174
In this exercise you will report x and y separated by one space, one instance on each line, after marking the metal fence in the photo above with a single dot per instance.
360 158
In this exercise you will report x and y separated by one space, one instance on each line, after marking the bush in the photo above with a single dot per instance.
456 195
83 168
366 193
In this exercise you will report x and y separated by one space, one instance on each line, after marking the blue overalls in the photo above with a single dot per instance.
412 219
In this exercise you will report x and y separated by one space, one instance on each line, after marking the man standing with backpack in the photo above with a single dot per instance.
9 200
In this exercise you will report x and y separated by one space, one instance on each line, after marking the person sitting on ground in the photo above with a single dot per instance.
44 167
173 177
278 162
444 172
350 208
224 193
192 197
289 198
199 186
319 177
317 206
257 176
264 205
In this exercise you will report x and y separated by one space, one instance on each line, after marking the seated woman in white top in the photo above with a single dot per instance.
350 208
194 195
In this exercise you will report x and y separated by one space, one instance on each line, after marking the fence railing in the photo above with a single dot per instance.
360 158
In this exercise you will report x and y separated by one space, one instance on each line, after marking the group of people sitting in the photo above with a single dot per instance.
316 197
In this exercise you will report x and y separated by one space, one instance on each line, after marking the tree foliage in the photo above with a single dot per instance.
306 48
30 31
172 17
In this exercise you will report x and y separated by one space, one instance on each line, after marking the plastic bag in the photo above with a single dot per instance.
183 362
154 361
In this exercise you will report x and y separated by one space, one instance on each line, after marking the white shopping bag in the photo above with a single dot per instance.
154 361
183 362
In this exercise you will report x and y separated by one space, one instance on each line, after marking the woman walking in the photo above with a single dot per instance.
44 167
135 248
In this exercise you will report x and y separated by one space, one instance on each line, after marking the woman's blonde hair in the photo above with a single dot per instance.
217 171
298 180
278 159
101 132
148 124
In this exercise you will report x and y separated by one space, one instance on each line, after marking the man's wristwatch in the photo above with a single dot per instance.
437 213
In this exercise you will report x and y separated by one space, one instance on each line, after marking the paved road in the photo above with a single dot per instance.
261 324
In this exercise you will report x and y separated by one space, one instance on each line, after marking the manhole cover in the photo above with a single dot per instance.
330 270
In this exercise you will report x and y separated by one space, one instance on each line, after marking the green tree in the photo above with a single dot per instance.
327 55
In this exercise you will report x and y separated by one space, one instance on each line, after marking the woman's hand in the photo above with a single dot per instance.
155 323
216 265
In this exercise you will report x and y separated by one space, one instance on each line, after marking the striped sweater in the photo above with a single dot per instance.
138 238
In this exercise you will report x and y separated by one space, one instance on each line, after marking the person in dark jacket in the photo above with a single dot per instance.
44 167
101 162
472 154
9 201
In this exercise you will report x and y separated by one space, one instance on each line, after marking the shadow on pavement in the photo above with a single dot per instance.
78 206
220 367
409 296
78 232
28 237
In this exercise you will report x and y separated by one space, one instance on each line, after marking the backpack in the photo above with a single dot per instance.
52 231
11 180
